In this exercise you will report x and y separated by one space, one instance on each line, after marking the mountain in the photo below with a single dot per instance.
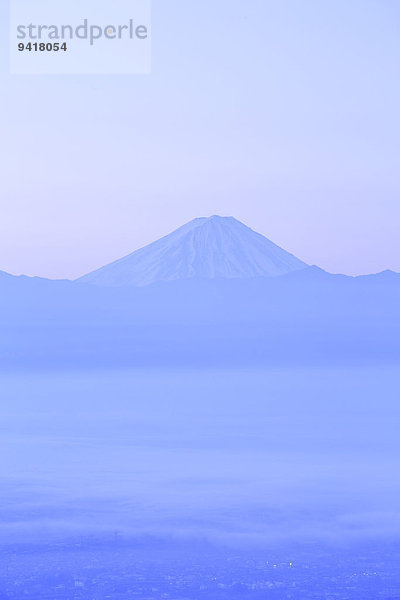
206 248
308 316
23 284
210 303
5 277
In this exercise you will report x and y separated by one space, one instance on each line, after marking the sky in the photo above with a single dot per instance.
283 114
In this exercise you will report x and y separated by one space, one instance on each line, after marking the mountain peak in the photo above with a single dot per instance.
206 247
219 218
212 220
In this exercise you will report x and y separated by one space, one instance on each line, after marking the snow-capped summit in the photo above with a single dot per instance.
208 248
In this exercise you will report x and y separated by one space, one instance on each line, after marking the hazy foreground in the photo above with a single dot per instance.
269 464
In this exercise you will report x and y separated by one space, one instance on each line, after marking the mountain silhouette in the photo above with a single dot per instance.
207 248
215 298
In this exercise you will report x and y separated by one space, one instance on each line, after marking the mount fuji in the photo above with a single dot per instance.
205 248
220 294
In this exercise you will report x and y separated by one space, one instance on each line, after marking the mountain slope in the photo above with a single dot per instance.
208 248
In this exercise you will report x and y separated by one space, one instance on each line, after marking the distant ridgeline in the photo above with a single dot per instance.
213 292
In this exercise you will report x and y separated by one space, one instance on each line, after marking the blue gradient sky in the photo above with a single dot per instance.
284 114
